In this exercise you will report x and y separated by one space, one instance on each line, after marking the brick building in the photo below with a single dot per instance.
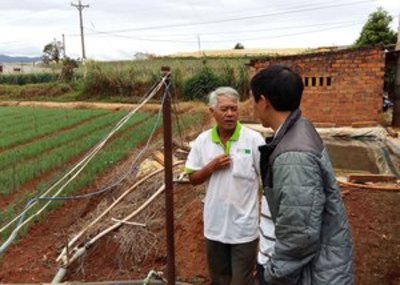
340 87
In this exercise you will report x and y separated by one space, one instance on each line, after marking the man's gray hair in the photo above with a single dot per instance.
222 91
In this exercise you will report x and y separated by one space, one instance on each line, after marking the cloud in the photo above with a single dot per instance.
120 28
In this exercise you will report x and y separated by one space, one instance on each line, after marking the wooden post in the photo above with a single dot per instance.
169 195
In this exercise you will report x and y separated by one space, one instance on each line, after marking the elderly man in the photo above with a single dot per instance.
226 158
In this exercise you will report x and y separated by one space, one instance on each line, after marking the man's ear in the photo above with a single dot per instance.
211 109
264 101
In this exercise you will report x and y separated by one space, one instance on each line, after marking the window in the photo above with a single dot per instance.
314 81
317 81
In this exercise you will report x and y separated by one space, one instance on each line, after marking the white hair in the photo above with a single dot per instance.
222 91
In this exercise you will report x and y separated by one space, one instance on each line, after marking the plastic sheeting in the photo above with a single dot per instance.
357 149
345 132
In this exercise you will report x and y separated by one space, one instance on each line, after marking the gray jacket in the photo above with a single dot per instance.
313 240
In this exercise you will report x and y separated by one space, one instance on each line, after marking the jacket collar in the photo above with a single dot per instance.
271 143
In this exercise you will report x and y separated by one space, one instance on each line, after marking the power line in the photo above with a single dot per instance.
191 35
236 39
241 18
290 34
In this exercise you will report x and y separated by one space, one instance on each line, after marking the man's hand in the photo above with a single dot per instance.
220 162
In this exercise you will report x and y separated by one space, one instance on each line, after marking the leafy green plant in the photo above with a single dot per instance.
197 87
68 67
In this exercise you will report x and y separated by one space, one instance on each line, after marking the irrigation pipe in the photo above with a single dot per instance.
84 161
82 250
119 199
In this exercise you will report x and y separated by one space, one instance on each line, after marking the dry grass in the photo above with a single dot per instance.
242 52
137 243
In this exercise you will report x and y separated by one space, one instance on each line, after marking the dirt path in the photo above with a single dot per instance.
181 107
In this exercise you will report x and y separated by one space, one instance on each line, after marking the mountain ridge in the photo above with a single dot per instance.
18 59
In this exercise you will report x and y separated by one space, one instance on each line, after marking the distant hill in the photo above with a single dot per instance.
16 59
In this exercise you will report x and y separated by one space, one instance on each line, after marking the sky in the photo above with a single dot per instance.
119 29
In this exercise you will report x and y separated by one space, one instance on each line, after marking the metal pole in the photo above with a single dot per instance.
169 197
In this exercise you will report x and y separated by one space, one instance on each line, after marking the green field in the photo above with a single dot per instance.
37 146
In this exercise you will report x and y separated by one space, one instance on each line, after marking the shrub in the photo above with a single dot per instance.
67 71
227 78
198 86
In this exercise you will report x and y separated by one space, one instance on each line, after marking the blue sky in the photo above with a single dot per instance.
118 29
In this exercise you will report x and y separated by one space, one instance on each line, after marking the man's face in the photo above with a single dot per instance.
226 113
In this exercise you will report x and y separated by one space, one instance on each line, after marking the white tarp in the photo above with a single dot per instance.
380 149
344 132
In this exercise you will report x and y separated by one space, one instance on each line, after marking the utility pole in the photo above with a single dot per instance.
63 46
80 7
396 105
199 44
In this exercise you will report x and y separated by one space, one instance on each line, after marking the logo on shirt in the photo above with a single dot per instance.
244 150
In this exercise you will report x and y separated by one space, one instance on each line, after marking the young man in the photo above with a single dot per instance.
313 242
226 157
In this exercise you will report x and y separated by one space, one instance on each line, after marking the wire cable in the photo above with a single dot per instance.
20 223
82 164
241 18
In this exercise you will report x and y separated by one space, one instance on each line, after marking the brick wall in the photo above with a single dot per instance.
341 87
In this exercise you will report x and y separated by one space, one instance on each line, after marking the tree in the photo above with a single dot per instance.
377 30
52 52
238 46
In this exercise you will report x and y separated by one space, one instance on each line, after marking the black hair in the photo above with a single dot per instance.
280 85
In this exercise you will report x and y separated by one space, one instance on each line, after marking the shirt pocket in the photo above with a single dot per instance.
243 166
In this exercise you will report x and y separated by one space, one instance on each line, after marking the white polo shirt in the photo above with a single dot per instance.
231 202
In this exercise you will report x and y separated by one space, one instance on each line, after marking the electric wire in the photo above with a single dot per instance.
21 216
64 251
241 18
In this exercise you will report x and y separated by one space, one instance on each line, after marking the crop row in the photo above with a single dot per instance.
33 130
11 179
15 156
13 120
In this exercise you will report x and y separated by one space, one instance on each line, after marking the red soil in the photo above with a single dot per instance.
373 217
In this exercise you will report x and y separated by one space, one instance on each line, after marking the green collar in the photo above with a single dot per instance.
235 136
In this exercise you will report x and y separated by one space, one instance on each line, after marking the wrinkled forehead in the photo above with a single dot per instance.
227 101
